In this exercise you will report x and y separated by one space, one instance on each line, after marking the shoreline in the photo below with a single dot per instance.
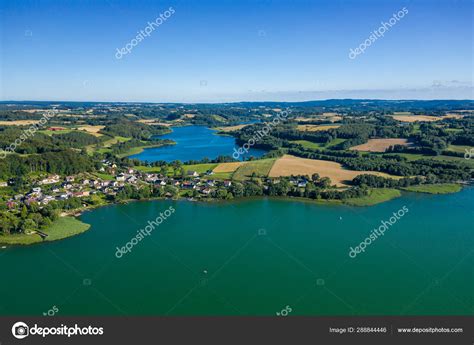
382 195
62 228
139 149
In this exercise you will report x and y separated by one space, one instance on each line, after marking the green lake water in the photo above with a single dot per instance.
254 257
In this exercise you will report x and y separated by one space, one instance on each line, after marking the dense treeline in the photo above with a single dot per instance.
382 182
29 218
75 139
41 143
132 129
65 162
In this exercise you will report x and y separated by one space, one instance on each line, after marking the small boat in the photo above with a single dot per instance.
340 218
3 247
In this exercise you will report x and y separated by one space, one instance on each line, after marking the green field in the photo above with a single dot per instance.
218 118
61 228
105 177
411 156
105 146
115 140
222 176
459 148
444 188
200 168
151 170
468 162
50 133
314 146
414 157
259 167
375 196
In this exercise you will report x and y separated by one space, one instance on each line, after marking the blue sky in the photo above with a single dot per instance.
212 51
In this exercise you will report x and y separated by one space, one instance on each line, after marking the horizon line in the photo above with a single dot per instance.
243 101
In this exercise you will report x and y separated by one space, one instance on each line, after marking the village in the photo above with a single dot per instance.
112 180
57 188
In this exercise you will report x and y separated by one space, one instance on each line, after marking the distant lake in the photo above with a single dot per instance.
193 143
253 257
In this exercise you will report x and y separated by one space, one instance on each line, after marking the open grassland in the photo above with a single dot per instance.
416 118
444 188
105 146
18 123
94 130
468 162
115 140
103 176
61 228
315 128
423 118
290 165
331 117
307 119
227 167
417 156
153 170
376 196
308 144
459 148
155 123
217 118
225 171
260 167
315 146
453 116
199 168
50 132
379 145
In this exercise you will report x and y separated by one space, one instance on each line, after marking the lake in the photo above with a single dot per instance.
194 143
253 257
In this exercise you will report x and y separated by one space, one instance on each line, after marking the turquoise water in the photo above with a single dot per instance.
194 143
253 257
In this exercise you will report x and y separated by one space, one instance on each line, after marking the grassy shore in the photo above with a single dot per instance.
61 228
444 188
375 196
